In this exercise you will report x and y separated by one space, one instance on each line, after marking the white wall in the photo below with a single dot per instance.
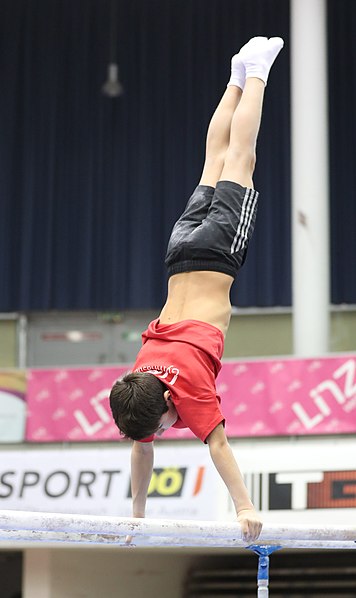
36 582
104 573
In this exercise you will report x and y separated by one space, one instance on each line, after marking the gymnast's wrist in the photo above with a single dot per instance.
246 506
138 514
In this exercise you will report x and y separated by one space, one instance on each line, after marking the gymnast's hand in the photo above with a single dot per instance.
251 524
128 539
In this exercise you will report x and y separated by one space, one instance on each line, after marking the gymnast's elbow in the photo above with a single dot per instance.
217 440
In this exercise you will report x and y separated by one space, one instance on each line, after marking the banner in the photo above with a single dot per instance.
71 404
12 405
259 398
290 396
307 480
300 480
96 481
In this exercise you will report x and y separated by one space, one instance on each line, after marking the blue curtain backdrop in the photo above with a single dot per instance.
91 186
342 119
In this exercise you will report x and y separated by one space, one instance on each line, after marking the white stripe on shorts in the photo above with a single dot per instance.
248 206
249 213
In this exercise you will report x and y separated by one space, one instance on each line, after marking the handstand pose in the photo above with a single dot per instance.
173 380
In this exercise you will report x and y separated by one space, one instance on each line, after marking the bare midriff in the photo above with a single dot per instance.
201 295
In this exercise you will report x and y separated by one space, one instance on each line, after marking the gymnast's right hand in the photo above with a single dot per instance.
251 524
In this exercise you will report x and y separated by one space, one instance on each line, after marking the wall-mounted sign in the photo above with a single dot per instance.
284 397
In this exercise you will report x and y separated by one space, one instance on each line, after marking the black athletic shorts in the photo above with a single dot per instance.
214 230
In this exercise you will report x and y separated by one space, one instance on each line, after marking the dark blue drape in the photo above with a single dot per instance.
342 119
90 186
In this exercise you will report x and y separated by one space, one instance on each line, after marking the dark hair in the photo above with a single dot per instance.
137 404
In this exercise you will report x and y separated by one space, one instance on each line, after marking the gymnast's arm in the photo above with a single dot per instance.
228 469
141 473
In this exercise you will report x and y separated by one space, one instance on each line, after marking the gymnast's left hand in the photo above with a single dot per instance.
251 524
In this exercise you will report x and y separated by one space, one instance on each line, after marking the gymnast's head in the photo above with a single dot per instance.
141 406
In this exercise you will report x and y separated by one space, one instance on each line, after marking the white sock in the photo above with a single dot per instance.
238 74
259 54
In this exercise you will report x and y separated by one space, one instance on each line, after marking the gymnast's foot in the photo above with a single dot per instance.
254 60
238 74
259 54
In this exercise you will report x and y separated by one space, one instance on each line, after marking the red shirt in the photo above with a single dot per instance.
186 357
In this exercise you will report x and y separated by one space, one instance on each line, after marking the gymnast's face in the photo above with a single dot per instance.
169 418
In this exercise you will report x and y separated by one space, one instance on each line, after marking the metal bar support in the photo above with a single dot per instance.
263 552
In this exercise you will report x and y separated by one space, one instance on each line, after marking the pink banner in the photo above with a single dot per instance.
259 398
71 404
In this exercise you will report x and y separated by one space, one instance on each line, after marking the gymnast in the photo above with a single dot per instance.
172 382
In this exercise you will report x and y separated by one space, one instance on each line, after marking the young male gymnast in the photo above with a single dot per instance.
173 379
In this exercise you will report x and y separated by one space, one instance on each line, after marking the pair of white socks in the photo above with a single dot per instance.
255 60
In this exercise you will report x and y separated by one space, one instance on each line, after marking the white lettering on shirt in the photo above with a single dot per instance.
168 374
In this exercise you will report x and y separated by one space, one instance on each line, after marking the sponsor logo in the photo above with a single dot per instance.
303 490
171 482
57 484
339 389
